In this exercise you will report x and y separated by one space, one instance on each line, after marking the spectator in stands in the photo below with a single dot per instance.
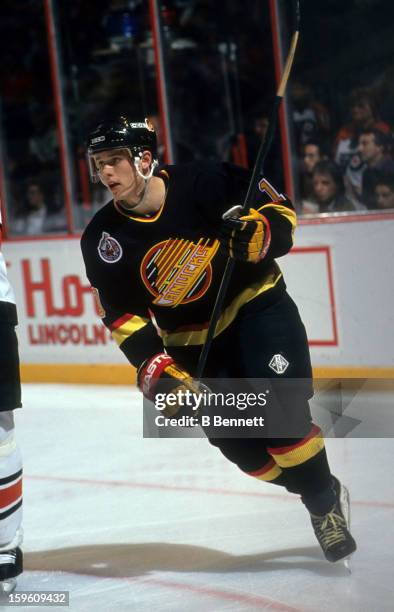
31 218
328 190
373 145
310 118
353 178
312 153
364 116
384 192
35 218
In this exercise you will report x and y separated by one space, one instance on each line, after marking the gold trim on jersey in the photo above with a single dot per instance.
266 187
121 332
194 337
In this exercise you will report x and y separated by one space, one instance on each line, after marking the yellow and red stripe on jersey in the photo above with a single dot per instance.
295 454
126 326
268 472
192 335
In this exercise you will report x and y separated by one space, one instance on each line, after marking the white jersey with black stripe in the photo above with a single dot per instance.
6 292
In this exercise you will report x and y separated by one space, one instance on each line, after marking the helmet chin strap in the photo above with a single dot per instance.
136 160
146 177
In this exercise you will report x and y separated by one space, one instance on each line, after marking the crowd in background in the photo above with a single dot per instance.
343 152
351 169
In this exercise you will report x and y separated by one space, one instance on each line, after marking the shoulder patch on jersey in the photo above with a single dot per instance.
109 248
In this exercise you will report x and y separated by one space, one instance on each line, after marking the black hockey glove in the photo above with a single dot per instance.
179 391
245 238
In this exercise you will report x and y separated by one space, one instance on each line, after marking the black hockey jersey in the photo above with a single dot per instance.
157 277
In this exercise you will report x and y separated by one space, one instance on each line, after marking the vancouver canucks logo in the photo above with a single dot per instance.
109 249
178 271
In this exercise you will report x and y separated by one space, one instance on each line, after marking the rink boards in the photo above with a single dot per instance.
339 273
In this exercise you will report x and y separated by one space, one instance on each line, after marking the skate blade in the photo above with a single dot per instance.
346 563
7 586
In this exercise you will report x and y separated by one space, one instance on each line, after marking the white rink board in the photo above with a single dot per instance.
362 255
308 274
339 274
56 309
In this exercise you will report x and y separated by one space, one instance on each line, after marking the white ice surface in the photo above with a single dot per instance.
126 523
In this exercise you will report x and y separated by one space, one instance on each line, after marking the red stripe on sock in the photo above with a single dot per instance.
315 431
9 495
268 466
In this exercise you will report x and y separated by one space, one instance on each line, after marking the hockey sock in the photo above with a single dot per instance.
269 472
305 465
10 485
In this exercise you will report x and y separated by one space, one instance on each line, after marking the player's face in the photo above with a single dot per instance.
116 171
324 187
311 156
384 196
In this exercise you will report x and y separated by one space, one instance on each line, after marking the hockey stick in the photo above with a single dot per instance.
258 170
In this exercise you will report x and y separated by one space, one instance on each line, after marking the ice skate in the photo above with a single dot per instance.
332 529
11 565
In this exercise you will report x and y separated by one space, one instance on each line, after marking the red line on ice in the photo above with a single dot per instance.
258 600
210 490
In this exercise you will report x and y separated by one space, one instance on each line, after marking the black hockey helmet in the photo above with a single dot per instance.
121 133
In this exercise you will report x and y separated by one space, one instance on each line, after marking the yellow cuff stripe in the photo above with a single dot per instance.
121 333
298 454
268 473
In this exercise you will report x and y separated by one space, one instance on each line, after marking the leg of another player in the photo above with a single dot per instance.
10 461
10 504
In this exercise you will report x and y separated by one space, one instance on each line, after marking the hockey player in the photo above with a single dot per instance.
155 261
10 457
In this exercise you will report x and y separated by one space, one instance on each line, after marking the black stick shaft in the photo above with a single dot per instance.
258 171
